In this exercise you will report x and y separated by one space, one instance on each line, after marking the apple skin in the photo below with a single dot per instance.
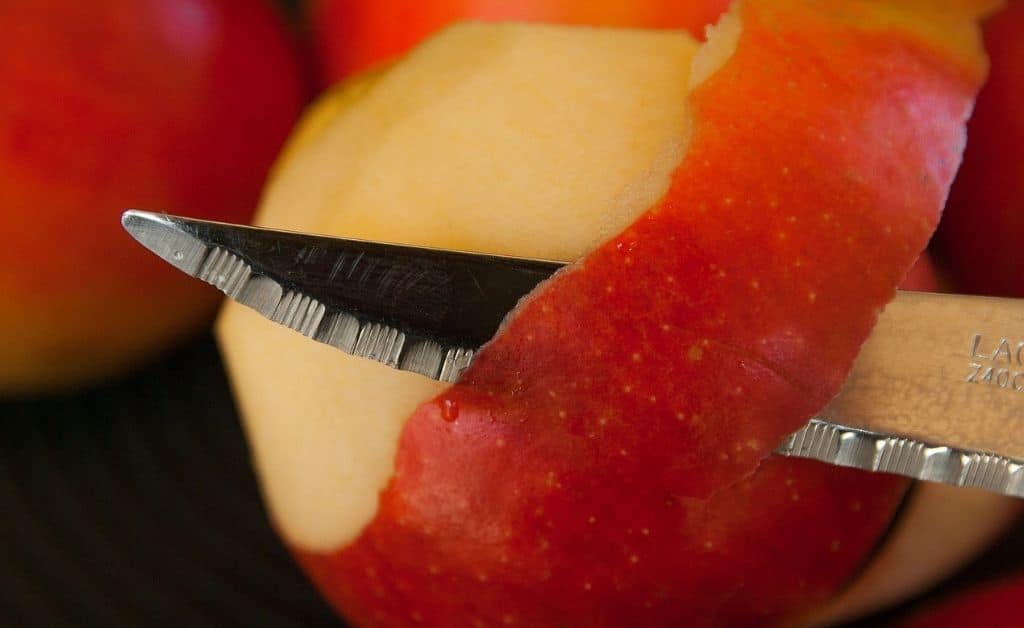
923 276
352 35
166 105
984 219
995 605
527 494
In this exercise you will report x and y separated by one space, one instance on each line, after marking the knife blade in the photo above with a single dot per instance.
937 392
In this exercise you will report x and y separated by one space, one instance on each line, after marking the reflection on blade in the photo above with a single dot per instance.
427 311
183 247
885 453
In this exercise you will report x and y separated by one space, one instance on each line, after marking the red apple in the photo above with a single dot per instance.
739 214
984 220
175 105
352 35
996 605
923 276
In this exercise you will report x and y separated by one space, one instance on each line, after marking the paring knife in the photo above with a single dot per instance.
937 392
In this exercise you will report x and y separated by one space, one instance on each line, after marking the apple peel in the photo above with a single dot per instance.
642 390
726 335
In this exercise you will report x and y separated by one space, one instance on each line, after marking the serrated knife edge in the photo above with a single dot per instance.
232 275
958 467
822 439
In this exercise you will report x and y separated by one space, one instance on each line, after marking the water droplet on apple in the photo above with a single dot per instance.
449 410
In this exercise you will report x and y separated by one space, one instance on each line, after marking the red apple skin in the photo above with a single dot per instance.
993 606
981 231
352 35
549 488
171 105
923 276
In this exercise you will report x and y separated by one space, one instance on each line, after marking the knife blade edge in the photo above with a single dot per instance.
845 446
230 273
836 436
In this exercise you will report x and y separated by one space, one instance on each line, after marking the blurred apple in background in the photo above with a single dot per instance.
172 105
981 233
352 35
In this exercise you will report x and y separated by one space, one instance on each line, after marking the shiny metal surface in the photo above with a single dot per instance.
886 453
415 309
937 392
941 368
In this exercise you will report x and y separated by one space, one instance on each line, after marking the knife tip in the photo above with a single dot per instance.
138 223
163 236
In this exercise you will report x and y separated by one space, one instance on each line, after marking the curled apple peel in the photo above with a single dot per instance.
606 460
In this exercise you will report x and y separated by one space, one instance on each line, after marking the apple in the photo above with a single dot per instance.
939 529
173 105
923 275
352 35
738 212
984 219
995 605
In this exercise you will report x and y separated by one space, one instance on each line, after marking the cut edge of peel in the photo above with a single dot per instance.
719 45
713 53
711 56
641 195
